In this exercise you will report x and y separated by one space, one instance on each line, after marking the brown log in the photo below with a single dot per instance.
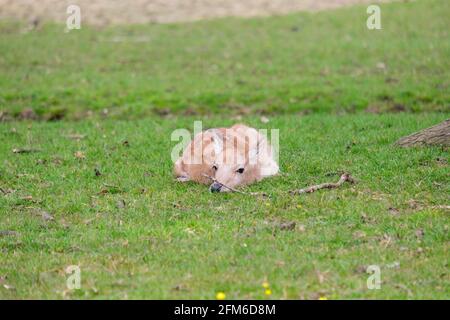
436 135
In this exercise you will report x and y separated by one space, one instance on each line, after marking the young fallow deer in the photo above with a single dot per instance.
227 158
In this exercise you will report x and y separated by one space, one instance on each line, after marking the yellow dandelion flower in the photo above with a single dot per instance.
220 296
323 298
299 206
265 285
267 292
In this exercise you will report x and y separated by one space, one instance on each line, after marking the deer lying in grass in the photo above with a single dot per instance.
230 157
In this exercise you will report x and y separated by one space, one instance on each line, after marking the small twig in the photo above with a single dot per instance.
215 180
232 189
25 150
75 136
2 191
443 207
4 233
346 177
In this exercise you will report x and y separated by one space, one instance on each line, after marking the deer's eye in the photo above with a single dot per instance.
214 167
240 170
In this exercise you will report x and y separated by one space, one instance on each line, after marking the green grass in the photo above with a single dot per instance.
136 233
322 62
171 234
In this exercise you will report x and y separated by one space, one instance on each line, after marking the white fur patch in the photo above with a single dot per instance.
218 143
269 169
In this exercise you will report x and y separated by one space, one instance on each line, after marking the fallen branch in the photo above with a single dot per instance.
443 207
4 233
234 190
345 177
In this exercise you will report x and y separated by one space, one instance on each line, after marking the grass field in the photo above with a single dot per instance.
98 192
165 238
327 62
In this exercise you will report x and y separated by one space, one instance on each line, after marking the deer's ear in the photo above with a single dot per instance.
254 151
180 174
253 154
217 140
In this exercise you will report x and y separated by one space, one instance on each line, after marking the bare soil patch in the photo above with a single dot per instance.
105 12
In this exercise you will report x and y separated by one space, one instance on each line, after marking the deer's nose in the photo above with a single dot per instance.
215 187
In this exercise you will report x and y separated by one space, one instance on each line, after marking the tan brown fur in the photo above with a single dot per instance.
222 152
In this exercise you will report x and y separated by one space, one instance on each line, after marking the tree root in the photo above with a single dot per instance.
436 135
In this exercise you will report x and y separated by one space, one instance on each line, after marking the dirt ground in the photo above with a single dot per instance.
104 12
